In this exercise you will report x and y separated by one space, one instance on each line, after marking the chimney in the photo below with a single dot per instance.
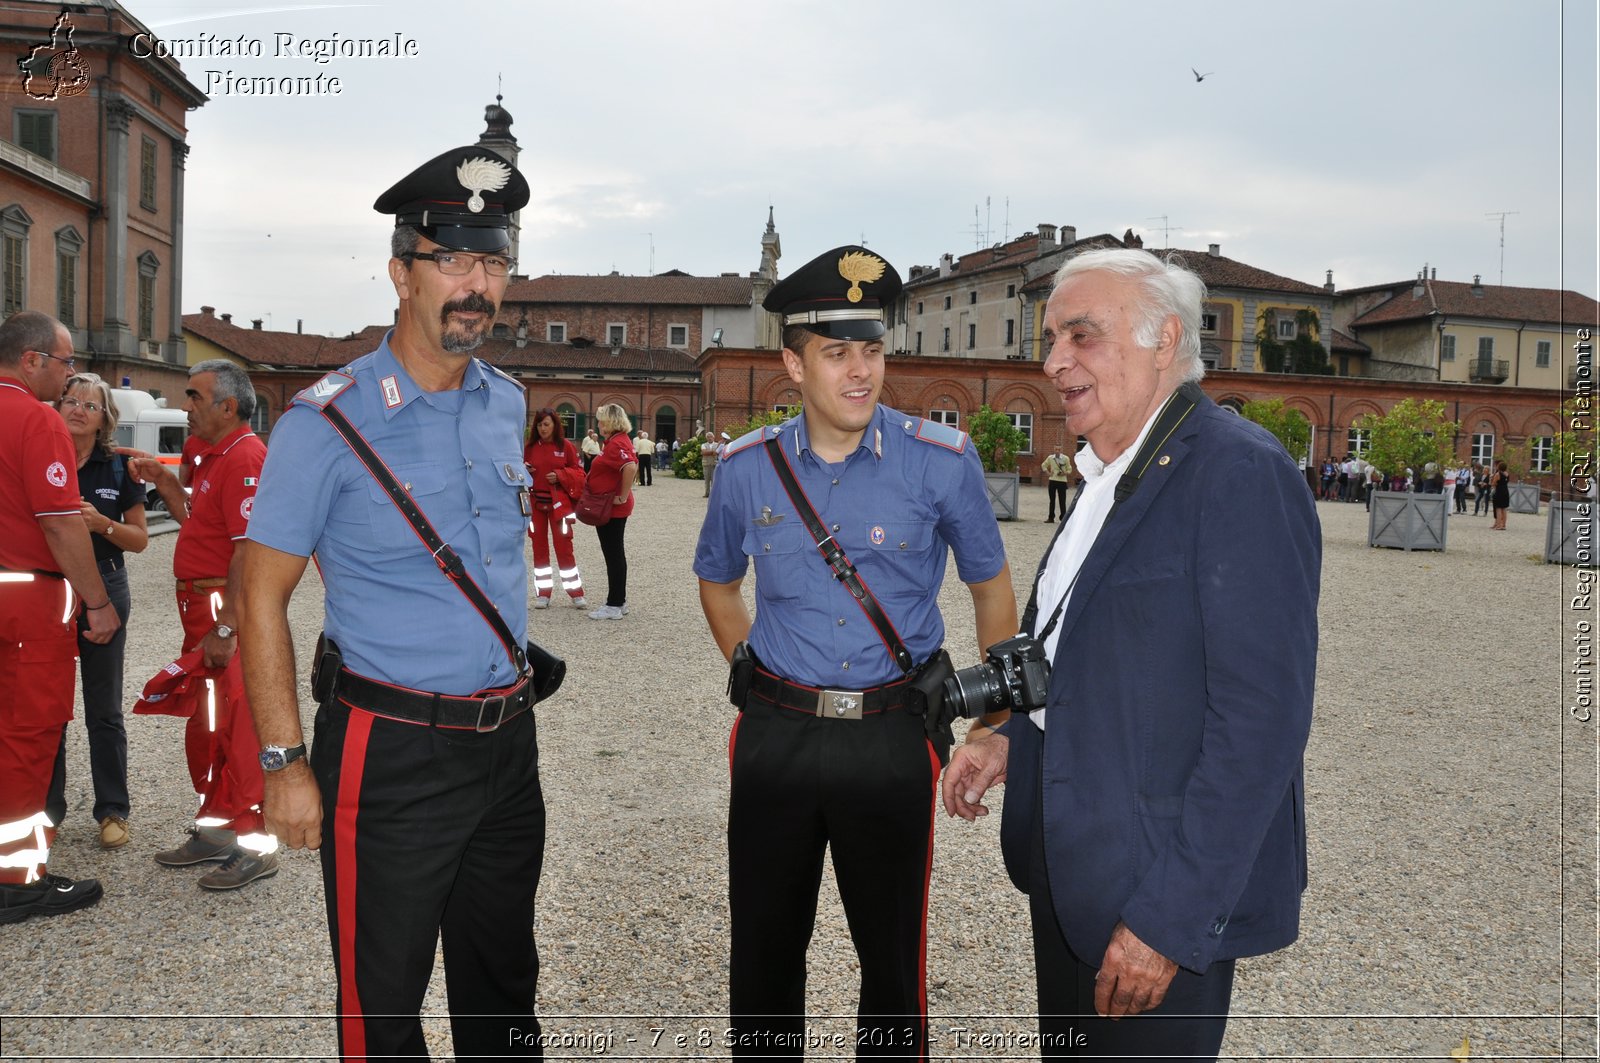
1328 284
1477 286
255 323
1418 289
299 326
208 311
946 264
1069 234
1433 274
1047 236
227 318
1214 250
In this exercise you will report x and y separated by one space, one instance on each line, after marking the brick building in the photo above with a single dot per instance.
92 148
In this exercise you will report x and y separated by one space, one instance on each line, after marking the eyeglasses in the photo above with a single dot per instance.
88 407
460 263
70 363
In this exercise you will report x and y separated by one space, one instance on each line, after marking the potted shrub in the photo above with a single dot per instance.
997 441
1570 532
1412 435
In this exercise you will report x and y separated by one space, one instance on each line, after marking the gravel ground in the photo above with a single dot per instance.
1451 806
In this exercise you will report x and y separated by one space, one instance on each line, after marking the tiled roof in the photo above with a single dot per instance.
1342 342
1218 271
1456 299
669 289
290 350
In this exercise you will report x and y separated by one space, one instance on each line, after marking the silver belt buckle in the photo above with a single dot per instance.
840 704
488 722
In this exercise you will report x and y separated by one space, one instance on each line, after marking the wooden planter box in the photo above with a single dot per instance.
1524 498
1406 521
1002 488
1569 537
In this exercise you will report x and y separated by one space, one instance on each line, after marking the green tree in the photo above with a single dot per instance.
1289 426
996 438
686 466
1572 453
1409 436
1518 458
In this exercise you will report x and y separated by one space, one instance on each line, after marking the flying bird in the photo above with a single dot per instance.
1199 76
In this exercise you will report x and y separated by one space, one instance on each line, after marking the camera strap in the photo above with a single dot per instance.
834 556
444 556
1177 408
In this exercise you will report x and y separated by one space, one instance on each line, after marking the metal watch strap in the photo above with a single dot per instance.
834 556
447 559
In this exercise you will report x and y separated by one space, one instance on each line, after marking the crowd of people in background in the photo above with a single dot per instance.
1354 480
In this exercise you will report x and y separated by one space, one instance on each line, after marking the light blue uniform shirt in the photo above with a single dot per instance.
910 494
394 614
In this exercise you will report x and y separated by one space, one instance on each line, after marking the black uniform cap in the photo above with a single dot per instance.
462 200
840 294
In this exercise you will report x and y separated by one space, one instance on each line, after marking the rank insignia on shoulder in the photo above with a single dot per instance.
744 442
497 371
325 390
943 435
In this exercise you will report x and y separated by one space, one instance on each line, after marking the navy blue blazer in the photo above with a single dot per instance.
1169 772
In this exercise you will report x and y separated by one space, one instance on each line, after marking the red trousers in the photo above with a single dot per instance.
545 526
220 740
38 660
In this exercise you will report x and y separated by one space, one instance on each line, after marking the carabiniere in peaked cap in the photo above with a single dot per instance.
462 200
840 294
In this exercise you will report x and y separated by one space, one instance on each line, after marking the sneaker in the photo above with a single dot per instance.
113 832
580 602
541 602
241 868
606 612
204 845
51 895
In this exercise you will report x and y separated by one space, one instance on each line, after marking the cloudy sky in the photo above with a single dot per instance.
1365 137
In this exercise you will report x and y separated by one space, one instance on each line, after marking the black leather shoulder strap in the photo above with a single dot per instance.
448 560
834 556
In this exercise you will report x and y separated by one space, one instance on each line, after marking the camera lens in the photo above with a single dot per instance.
976 691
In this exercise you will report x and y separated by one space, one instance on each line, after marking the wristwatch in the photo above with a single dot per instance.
276 758
225 632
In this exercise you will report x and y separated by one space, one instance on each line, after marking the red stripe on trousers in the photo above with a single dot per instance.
352 1021
927 875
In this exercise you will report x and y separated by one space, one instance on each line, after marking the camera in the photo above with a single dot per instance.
1014 675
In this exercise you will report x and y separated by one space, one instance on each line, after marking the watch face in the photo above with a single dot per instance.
272 759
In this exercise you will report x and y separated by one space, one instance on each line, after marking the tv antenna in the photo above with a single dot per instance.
1501 214
652 238
1166 230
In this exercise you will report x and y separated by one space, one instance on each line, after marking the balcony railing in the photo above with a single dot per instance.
1489 370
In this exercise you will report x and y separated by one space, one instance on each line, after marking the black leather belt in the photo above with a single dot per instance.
831 704
475 713
111 564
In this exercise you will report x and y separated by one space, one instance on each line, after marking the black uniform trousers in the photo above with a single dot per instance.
864 789
426 832
1058 494
1187 1025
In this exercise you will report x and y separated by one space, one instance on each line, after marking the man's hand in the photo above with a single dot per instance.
103 624
292 805
977 765
144 466
217 651
1133 976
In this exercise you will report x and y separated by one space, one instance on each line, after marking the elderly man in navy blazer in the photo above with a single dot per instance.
1155 806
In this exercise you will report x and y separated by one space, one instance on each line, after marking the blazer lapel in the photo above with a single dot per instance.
1108 544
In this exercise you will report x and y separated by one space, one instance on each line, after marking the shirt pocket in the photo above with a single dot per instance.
896 557
779 552
425 481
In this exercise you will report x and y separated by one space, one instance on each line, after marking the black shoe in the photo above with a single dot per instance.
51 895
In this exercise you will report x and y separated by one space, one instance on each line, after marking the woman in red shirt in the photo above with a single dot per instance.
612 473
547 456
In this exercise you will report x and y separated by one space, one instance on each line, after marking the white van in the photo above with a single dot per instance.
145 423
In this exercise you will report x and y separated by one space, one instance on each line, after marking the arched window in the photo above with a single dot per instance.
666 424
568 416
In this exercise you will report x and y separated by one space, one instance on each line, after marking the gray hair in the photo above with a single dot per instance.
402 242
27 330
102 396
1166 287
232 383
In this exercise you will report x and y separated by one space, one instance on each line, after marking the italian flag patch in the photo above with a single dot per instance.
249 481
